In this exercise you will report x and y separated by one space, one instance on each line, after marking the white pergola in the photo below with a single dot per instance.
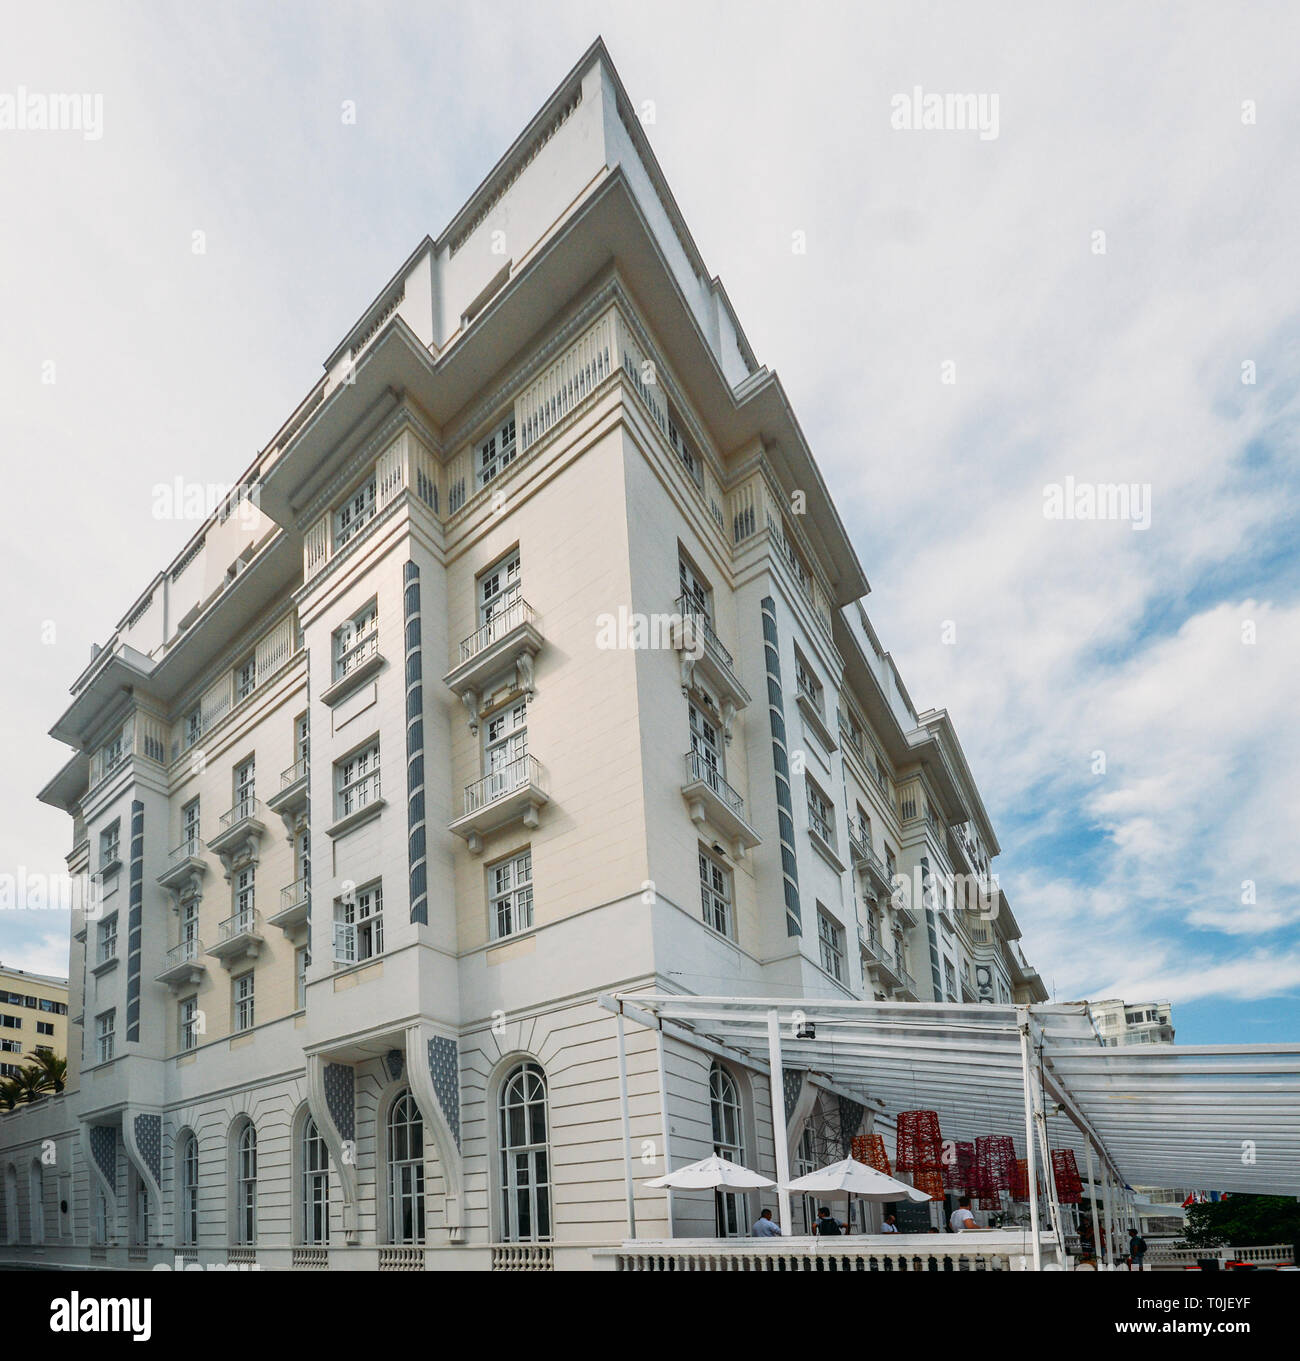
1222 1116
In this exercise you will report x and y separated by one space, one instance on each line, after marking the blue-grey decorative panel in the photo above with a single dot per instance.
850 1118
793 1081
784 807
340 1098
103 1148
148 1139
416 855
444 1068
135 922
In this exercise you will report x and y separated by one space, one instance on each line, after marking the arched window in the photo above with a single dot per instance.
728 1142
246 1185
187 1190
805 1161
525 1156
315 1186
405 1171
36 1194
11 1203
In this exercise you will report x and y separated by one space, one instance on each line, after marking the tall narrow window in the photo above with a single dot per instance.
706 748
821 816
356 512
105 1028
301 959
246 1186
715 895
405 1171
245 788
498 590
302 739
110 846
246 678
107 939
357 641
187 1173
505 744
190 827
729 1143
242 988
359 925
315 1186
496 452
190 929
830 940
357 780
510 889
36 1198
525 1156
189 1016
245 896
694 590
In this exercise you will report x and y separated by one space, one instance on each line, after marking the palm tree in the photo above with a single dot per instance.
30 1082
10 1093
50 1072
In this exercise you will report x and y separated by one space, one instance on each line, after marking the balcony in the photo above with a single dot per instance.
290 801
822 835
240 828
295 901
810 706
512 794
872 865
705 661
184 965
506 643
879 959
186 867
238 937
712 800
354 667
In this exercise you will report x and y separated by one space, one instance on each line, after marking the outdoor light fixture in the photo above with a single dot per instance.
805 1030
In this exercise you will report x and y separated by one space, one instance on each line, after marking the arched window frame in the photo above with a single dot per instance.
243 1170
727 1121
187 1190
524 1166
404 1169
313 1184
36 1201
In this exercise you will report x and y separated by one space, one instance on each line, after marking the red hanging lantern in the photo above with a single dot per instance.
958 1175
931 1182
1020 1179
994 1156
870 1149
1065 1172
920 1145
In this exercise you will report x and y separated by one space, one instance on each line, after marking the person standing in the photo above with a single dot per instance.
827 1227
961 1218
1137 1250
766 1226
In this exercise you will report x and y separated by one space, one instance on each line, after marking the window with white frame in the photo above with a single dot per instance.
510 893
301 959
692 588
302 739
830 941
187 1164
821 815
525 1156
105 1033
245 787
107 940
193 726
356 641
190 827
245 896
950 979
246 1185
315 1186
359 925
189 1023
728 1123
405 1171
110 845
505 744
190 928
356 780
112 752
355 513
809 686
683 447
246 677
499 588
242 996
706 745
496 452
715 896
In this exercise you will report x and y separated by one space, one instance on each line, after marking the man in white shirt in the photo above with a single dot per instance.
961 1218
766 1226
890 1225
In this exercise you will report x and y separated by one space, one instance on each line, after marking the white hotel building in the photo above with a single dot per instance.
376 802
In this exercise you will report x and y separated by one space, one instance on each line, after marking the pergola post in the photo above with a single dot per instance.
780 1131
667 1124
1092 1200
1110 1218
1031 1166
627 1127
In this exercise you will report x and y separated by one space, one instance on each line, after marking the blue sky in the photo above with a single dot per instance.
1072 637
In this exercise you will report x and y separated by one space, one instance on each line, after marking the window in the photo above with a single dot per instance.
864 826
715 896
405 1171
357 641
809 686
510 888
245 678
821 816
315 1186
729 1143
107 940
190 928
301 959
245 895
830 940
246 1185
111 755
882 777
242 990
105 1024
496 452
355 513
359 926
193 727
110 846
36 1202
245 788
851 729
505 744
187 1170
44 1027
682 446
11 1022
706 750
11 1047
189 1015
525 1156
694 592
950 978
190 827
302 739
356 780
805 1161
499 588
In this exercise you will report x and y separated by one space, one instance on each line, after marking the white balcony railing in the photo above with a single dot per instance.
504 620
243 811
238 924
699 767
512 776
689 610
292 774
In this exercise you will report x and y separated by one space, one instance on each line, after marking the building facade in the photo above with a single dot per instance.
33 1017
1119 1022
527 664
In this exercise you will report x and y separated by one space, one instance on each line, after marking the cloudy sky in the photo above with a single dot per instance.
1097 280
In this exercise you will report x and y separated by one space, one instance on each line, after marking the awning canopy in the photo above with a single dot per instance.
1222 1116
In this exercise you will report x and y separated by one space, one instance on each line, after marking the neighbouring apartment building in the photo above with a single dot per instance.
1119 1022
33 1017
509 678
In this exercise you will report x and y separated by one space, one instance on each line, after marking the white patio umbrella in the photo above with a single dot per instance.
852 1178
713 1171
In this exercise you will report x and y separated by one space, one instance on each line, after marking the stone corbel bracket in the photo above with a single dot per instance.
99 1149
142 1137
433 1067
331 1098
